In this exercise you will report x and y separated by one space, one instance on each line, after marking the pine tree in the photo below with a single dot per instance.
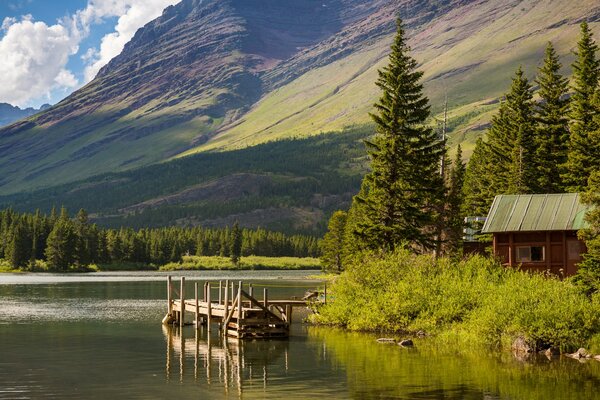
332 245
522 169
61 245
552 135
588 271
454 204
18 251
583 150
399 196
478 188
235 243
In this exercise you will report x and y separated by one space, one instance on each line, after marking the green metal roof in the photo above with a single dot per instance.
536 212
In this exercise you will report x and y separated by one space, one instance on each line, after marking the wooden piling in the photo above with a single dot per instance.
182 303
208 308
265 298
220 288
169 297
197 313
226 301
239 305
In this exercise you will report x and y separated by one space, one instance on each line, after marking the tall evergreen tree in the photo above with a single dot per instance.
61 245
454 204
18 251
522 169
235 243
399 196
588 272
332 245
583 150
552 135
478 187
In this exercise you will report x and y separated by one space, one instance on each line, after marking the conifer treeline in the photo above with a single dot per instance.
546 146
64 242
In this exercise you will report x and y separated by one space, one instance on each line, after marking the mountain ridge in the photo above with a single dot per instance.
220 76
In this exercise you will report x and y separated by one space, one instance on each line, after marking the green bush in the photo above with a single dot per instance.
475 300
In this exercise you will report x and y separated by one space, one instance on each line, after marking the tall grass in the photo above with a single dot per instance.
474 300
246 263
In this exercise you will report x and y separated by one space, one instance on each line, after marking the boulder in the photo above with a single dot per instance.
386 340
406 343
520 345
552 351
581 353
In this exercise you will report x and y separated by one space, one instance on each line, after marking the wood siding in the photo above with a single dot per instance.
562 250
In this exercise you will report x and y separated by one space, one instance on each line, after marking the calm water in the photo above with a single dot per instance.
99 337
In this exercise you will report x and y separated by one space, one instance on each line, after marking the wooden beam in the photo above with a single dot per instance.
182 305
257 304
226 310
196 308
239 299
209 309
169 296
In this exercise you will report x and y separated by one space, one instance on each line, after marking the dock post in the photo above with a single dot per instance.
208 307
232 292
239 310
220 289
251 293
169 297
197 311
226 313
182 304
265 298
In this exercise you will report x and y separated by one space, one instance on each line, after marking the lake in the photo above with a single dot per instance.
99 336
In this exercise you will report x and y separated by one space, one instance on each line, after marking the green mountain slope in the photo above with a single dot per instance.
468 55
220 79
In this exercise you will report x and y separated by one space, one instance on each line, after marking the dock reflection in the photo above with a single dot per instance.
212 359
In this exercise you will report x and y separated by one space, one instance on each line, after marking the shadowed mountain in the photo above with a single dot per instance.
10 114
224 75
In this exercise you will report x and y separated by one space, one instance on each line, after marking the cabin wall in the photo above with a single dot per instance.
557 252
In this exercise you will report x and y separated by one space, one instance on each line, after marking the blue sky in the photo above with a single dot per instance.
49 48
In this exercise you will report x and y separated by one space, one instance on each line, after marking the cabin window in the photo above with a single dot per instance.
530 253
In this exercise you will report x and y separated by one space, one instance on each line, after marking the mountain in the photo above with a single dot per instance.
225 75
10 113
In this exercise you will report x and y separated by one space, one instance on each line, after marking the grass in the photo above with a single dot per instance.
246 263
470 301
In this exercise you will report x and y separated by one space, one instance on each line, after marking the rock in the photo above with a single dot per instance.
552 351
421 334
597 357
406 343
582 353
386 340
520 345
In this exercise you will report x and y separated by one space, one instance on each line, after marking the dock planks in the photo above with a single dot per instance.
236 311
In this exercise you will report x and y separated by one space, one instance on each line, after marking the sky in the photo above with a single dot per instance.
49 48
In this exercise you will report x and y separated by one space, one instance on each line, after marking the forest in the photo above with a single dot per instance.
57 242
412 203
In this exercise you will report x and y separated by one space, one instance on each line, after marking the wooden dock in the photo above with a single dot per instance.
237 312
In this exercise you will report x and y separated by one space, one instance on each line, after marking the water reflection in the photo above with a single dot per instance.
229 363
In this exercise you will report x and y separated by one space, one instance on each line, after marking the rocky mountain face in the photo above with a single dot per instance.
223 75
187 76
10 113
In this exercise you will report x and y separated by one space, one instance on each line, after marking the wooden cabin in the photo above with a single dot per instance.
538 231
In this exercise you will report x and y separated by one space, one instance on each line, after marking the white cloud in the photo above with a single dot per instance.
33 58
138 13
34 55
